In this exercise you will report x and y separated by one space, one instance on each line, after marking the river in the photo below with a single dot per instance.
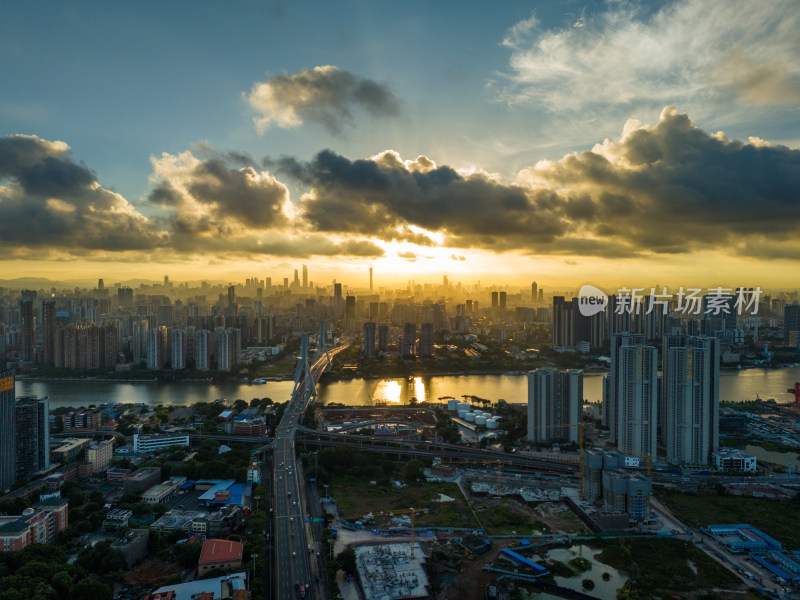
734 385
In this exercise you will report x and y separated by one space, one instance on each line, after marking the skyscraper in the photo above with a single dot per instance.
370 280
409 342
383 338
555 405
48 333
8 455
305 277
611 381
350 313
691 399
229 347
636 397
791 320
177 349
202 350
32 435
495 300
563 322
503 300
337 300
534 292
27 339
369 340
426 340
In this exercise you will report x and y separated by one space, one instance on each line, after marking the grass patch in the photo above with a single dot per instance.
355 498
662 566
777 518
505 519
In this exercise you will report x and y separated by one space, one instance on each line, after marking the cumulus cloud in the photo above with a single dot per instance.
325 95
210 197
663 189
633 56
47 200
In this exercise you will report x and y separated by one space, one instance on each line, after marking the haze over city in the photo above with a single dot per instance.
615 143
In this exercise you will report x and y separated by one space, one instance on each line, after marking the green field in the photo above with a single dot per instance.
663 567
510 520
356 498
777 518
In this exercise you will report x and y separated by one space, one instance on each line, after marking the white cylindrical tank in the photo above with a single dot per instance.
469 417
452 405
462 412
481 420
491 424
463 405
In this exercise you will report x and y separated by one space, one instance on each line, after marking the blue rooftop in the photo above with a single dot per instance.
521 560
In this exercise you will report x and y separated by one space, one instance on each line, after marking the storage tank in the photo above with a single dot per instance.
491 424
452 405
462 412
469 417
480 420
463 405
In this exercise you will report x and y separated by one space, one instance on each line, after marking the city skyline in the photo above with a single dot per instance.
608 143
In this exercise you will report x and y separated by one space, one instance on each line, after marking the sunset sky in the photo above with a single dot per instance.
612 142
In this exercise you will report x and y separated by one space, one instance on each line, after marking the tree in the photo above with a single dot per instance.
91 588
346 560
414 470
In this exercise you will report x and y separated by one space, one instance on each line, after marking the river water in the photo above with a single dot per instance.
734 386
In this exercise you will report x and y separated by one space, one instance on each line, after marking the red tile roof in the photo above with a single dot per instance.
216 551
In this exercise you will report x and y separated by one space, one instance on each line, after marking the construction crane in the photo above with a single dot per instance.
403 511
796 392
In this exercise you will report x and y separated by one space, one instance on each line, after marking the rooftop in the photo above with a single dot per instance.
215 551
187 591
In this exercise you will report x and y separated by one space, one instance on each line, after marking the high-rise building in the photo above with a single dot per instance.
495 300
534 292
178 349
369 340
27 338
48 333
691 399
426 340
503 300
350 313
32 435
231 296
8 455
555 405
611 382
563 322
636 396
370 280
338 305
409 341
305 277
229 347
791 320
125 297
202 350
383 338
156 348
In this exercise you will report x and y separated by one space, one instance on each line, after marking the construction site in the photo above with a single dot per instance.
380 421
392 571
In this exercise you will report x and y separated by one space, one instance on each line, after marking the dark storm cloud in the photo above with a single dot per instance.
324 95
366 197
665 189
49 201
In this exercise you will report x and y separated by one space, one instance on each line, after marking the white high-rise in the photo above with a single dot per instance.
555 404
178 349
229 345
630 401
691 399
202 350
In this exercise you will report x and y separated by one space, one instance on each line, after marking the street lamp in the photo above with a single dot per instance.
330 543
255 556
